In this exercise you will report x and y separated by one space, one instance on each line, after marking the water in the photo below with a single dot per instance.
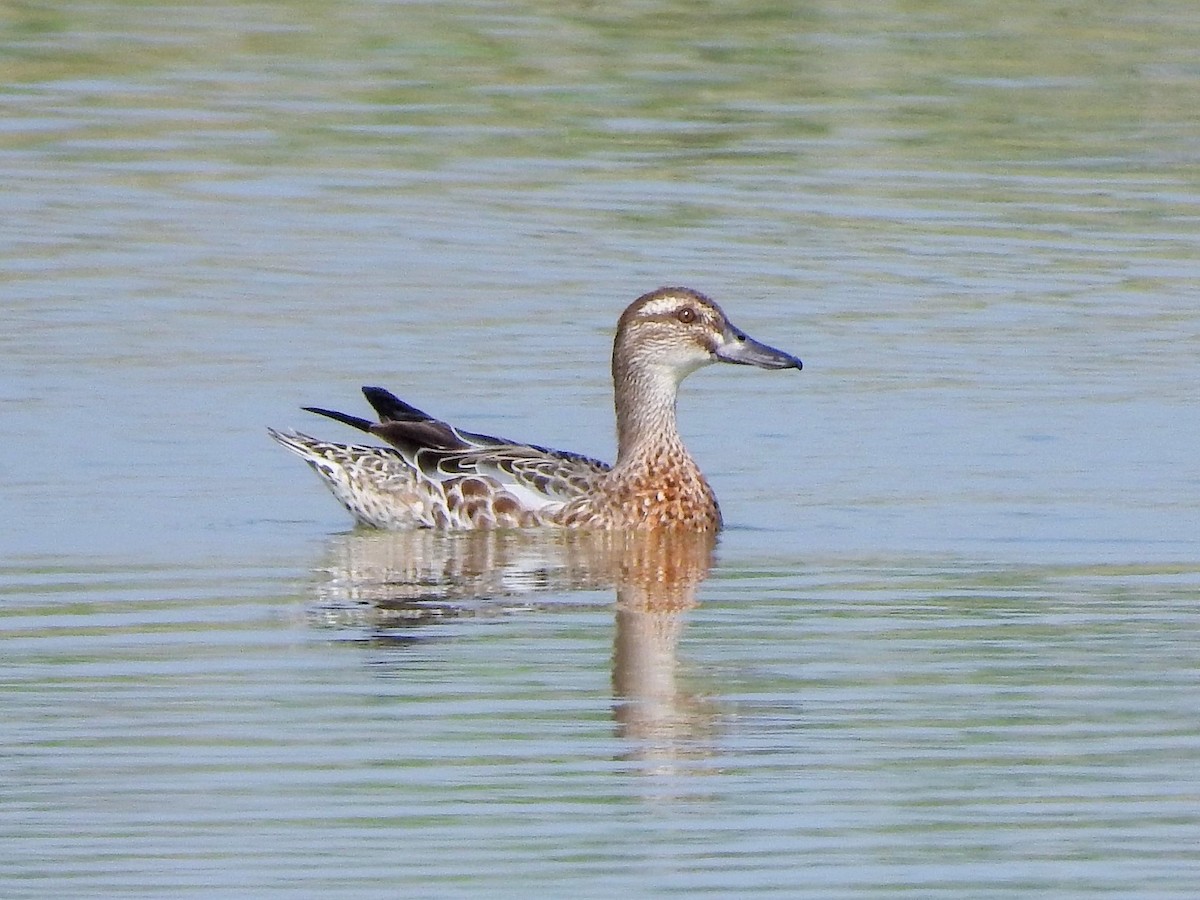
946 646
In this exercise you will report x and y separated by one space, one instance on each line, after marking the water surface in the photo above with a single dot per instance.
946 646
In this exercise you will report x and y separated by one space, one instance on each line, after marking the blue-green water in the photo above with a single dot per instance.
947 646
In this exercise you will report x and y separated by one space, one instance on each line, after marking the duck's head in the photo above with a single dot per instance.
674 331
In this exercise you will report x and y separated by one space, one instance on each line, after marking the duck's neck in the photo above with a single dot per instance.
646 422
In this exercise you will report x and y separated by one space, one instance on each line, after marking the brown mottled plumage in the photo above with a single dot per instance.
437 476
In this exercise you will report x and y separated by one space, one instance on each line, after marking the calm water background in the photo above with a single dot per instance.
950 643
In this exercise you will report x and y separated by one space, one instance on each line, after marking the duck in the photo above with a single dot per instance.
436 475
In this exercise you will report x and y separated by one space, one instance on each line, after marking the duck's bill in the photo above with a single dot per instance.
741 349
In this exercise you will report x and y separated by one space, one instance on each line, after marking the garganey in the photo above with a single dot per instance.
434 475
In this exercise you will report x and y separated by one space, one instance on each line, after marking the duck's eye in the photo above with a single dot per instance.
687 315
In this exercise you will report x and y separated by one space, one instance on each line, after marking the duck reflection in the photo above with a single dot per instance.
656 585
390 584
